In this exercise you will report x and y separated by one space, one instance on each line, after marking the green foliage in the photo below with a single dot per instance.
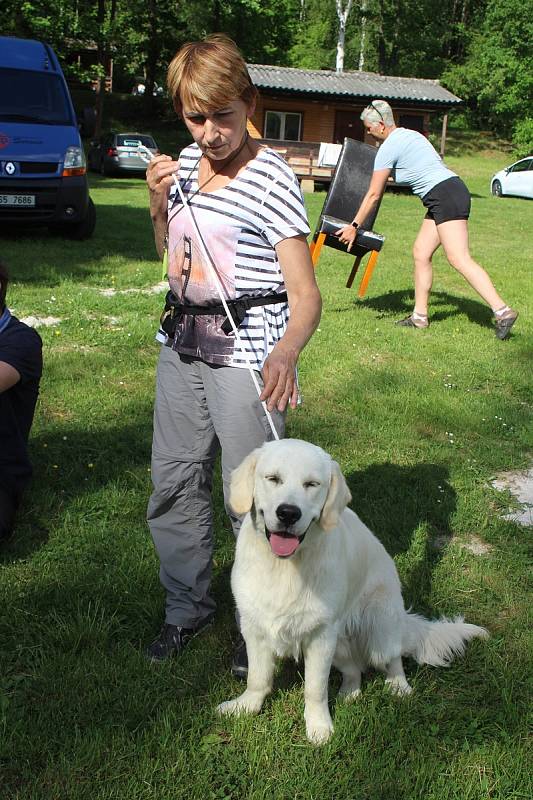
316 36
481 48
496 79
523 137
401 37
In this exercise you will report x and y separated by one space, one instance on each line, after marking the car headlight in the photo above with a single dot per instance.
74 163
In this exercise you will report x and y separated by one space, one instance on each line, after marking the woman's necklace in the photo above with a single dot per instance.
225 164
196 164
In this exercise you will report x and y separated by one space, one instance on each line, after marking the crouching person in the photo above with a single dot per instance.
20 372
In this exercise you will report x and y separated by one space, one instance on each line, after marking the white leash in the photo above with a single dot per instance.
147 156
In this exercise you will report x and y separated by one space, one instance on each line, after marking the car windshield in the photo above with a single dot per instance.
34 97
134 140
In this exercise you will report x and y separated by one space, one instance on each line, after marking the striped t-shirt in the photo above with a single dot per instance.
240 225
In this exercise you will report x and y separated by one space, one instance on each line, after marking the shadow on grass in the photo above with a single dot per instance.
442 306
50 258
71 464
120 181
395 502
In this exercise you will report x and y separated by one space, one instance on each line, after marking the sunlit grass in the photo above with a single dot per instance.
419 421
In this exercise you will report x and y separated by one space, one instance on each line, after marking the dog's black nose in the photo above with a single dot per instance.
288 514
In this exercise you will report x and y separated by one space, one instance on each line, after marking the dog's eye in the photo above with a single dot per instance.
273 478
311 484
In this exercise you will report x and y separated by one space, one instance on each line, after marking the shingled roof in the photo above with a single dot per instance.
366 85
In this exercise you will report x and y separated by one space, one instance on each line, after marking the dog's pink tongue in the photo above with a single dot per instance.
283 545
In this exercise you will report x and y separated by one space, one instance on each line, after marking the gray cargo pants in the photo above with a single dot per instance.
199 409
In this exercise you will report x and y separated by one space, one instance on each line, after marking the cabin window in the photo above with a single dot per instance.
283 125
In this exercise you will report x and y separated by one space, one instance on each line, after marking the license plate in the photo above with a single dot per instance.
17 199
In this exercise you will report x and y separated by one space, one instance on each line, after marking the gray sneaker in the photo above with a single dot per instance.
412 322
504 323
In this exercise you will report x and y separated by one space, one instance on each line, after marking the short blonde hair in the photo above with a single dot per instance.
378 111
209 74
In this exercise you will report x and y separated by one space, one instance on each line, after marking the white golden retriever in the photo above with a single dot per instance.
310 578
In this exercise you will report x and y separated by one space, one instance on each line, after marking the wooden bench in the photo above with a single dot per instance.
302 157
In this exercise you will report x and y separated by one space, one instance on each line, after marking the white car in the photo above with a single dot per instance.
515 180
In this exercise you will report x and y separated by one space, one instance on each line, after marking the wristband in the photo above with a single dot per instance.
355 225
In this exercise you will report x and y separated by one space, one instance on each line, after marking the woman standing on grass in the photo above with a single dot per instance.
249 211
415 163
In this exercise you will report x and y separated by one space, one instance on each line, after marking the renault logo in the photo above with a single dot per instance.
10 168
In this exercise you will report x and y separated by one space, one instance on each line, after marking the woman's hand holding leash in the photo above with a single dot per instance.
279 377
160 177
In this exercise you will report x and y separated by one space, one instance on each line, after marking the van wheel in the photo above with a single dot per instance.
78 230
85 228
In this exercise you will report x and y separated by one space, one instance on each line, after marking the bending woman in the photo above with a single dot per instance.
414 162
250 214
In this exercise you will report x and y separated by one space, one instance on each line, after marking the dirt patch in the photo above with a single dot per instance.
476 546
520 485
162 286
36 322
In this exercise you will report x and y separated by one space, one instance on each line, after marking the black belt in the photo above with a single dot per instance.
174 310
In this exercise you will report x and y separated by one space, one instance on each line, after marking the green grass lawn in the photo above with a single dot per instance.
419 421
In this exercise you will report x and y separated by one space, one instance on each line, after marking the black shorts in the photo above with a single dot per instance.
447 200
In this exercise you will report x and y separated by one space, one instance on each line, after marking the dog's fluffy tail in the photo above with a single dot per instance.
438 642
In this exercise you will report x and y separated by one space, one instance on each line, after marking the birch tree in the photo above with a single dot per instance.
361 64
342 16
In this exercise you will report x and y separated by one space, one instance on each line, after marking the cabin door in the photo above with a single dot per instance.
347 123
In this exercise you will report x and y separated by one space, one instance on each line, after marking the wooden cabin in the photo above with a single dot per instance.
298 109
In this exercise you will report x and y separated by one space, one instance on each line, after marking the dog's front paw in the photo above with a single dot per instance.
247 703
319 733
349 694
318 724
398 686
230 707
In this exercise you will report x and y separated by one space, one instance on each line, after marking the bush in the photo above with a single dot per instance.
523 137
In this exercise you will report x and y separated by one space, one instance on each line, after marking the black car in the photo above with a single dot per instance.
115 153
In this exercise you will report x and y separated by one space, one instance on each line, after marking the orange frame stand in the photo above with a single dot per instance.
316 246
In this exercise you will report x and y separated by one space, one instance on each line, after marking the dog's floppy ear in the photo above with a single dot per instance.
241 490
338 498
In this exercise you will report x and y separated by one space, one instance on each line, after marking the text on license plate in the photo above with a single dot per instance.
17 199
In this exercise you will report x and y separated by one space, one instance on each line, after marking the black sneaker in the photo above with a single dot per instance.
172 640
239 664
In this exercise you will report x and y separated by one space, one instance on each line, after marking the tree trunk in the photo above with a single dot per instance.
392 66
217 17
361 64
152 57
100 57
342 15
103 51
